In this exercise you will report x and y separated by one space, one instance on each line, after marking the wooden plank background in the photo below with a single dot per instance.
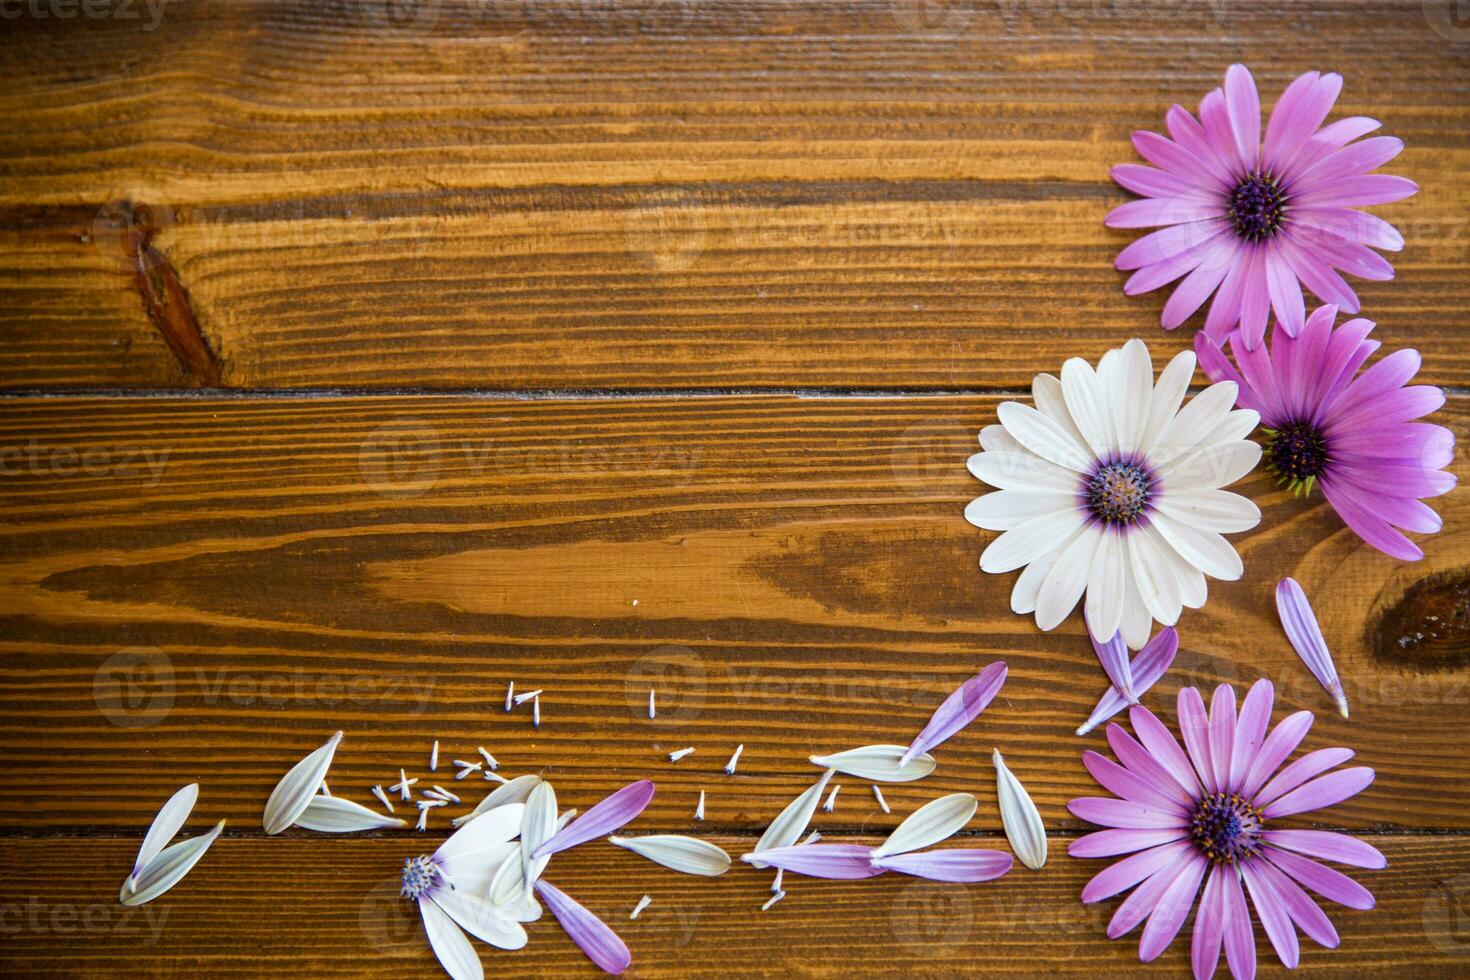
599 346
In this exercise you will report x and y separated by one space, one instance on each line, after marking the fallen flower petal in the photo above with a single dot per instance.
611 814
931 823
450 945
1113 655
297 788
958 710
480 919
165 826
836 861
590 933
879 763
1152 662
1018 815
475 838
689 855
791 823
1305 635
516 790
959 864
537 827
335 815
168 868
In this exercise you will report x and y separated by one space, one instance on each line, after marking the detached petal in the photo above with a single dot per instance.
168 868
295 790
959 709
931 823
335 815
689 855
1152 662
959 864
454 951
836 861
1020 818
611 814
170 820
590 933
879 763
517 790
1305 635
788 827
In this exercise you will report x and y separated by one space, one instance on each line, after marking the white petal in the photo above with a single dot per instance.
1211 510
1022 471
1191 581
1067 579
1018 815
1235 426
791 823
516 790
1137 621
454 951
995 439
335 815
168 868
1192 425
879 763
1168 395
296 789
1154 579
1088 406
1105 585
491 829
686 854
1001 510
536 829
474 876
931 823
480 919
166 824
1135 381
1046 392
1028 583
1026 542
1205 550
1212 467
1042 436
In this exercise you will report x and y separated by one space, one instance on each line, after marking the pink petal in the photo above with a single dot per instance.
1111 843
1185 130
1347 224
1362 191
1240 941
1107 812
1325 844
1244 106
1169 914
1322 792
1196 287
1144 899
1175 159
837 861
1222 734
1306 639
1316 275
1148 666
1215 118
1255 300
960 708
1128 785
960 864
1298 113
1287 894
1122 875
1225 310
1285 291
1330 884
1272 912
1164 748
1113 655
590 933
1358 514
1351 161
1194 725
1329 138
1282 742
1250 731
1138 760
1152 212
1308 766
602 819
1152 183
1209 921
1167 243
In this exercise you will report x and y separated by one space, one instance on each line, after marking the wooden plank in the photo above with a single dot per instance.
330 908
793 574
578 195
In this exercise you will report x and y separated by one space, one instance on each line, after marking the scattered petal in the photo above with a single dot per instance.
958 710
168 868
590 933
699 808
450 945
1305 635
1019 817
734 759
335 815
879 763
517 790
611 814
678 754
298 787
773 900
690 855
1152 662
836 861
537 827
165 826
931 823
791 823
959 864
831 799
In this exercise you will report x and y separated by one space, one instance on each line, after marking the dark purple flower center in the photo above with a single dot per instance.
1257 206
1118 492
1297 453
419 875
1225 828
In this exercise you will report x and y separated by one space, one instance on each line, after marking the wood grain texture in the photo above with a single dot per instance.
793 574
580 194
331 909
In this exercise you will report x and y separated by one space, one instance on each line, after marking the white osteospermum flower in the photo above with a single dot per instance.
1108 488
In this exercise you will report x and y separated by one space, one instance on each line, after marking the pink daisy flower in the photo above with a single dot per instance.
1252 221
1206 813
1355 438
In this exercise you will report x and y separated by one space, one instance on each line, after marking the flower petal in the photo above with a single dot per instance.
1271 910
1306 639
931 823
611 814
165 826
1282 742
336 815
168 868
1113 842
1330 884
1123 814
879 763
1169 914
591 934
1321 792
792 821
479 918
1329 846
450 945
295 790
1151 664
517 790
960 708
1122 875
955 864
835 861
689 855
1019 817
1204 948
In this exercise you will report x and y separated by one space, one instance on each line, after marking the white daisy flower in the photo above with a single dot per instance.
1108 488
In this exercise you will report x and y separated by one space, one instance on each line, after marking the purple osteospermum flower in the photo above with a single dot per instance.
1355 438
1253 221
1206 813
